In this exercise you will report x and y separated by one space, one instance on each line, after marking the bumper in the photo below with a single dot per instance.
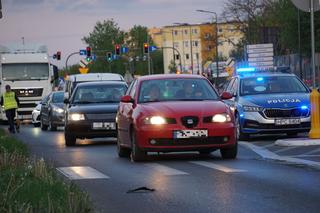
84 129
161 138
255 123
57 119
35 117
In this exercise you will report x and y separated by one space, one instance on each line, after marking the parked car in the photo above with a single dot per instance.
163 113
91 110
269 103
52 112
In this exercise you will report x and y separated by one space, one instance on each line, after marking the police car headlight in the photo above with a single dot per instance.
76 117
155 120
252 109
221 118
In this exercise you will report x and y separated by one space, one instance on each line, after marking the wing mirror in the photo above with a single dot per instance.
127 99
226 95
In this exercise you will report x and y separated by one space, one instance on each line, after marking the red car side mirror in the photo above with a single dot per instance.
127 99
226 95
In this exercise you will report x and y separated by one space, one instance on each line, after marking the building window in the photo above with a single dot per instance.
186 32
186 43
177 57
194 31
176 44
220 30
176 32
195 43
197 55
187 56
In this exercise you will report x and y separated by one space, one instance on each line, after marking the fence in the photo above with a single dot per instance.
305 73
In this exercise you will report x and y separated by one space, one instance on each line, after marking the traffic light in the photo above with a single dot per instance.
146 48
88 49
109 56
117 49
58 56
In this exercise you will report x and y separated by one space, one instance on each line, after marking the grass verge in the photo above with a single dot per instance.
29 185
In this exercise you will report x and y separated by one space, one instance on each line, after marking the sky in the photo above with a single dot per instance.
61 24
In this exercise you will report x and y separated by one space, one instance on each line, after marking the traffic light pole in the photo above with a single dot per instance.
180 64
74 53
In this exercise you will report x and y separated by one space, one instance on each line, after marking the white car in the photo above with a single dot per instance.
35 117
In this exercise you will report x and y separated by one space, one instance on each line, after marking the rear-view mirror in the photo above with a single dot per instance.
226 95
66 101
127 99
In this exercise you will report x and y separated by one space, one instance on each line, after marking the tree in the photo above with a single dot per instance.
102 40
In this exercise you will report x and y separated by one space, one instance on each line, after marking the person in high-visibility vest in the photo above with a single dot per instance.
10 103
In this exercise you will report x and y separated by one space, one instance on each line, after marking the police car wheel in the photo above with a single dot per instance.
241 136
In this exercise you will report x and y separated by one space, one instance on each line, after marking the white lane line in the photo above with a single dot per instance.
164 170
266 154
217 167
285 149
81 172
268 145
312 152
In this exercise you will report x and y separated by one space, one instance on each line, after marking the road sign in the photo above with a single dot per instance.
83 63
83 52
260 64
260 59
256 55
304 5
259 46
262 50
94 57
152 48
83 70
124 49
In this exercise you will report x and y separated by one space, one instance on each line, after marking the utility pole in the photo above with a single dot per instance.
0 10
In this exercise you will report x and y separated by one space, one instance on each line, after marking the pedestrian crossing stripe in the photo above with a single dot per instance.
217 166
81 172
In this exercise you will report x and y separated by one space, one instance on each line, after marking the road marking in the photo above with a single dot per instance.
217 167
164 170
81 172
268 145
266 154
312 152
285 149
303 156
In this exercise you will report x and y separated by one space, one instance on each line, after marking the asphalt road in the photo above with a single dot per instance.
185 182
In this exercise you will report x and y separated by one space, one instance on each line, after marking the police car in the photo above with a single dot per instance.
268 102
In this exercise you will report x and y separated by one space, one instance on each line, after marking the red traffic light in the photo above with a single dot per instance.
146 48
88 49
117 49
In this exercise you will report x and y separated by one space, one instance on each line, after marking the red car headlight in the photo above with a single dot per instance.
155 120
221 118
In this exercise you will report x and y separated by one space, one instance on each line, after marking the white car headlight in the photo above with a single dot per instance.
252 108
76 117
155 120
221 118
58 110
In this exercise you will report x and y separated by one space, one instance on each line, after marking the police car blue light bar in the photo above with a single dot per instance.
304 107
246 69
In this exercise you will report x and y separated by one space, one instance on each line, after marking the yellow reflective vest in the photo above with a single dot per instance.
9 101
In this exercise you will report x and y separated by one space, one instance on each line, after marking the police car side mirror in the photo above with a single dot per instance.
66 101
226 95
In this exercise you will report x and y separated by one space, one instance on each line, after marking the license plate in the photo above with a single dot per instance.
104 125
199 133
280 122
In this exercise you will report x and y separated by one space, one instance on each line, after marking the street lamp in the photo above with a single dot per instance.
191 53
216 24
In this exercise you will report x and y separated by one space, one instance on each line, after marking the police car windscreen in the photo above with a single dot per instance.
271 84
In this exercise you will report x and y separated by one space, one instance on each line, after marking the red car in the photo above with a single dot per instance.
169 113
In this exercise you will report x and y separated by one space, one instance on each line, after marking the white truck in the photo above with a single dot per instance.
27 69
